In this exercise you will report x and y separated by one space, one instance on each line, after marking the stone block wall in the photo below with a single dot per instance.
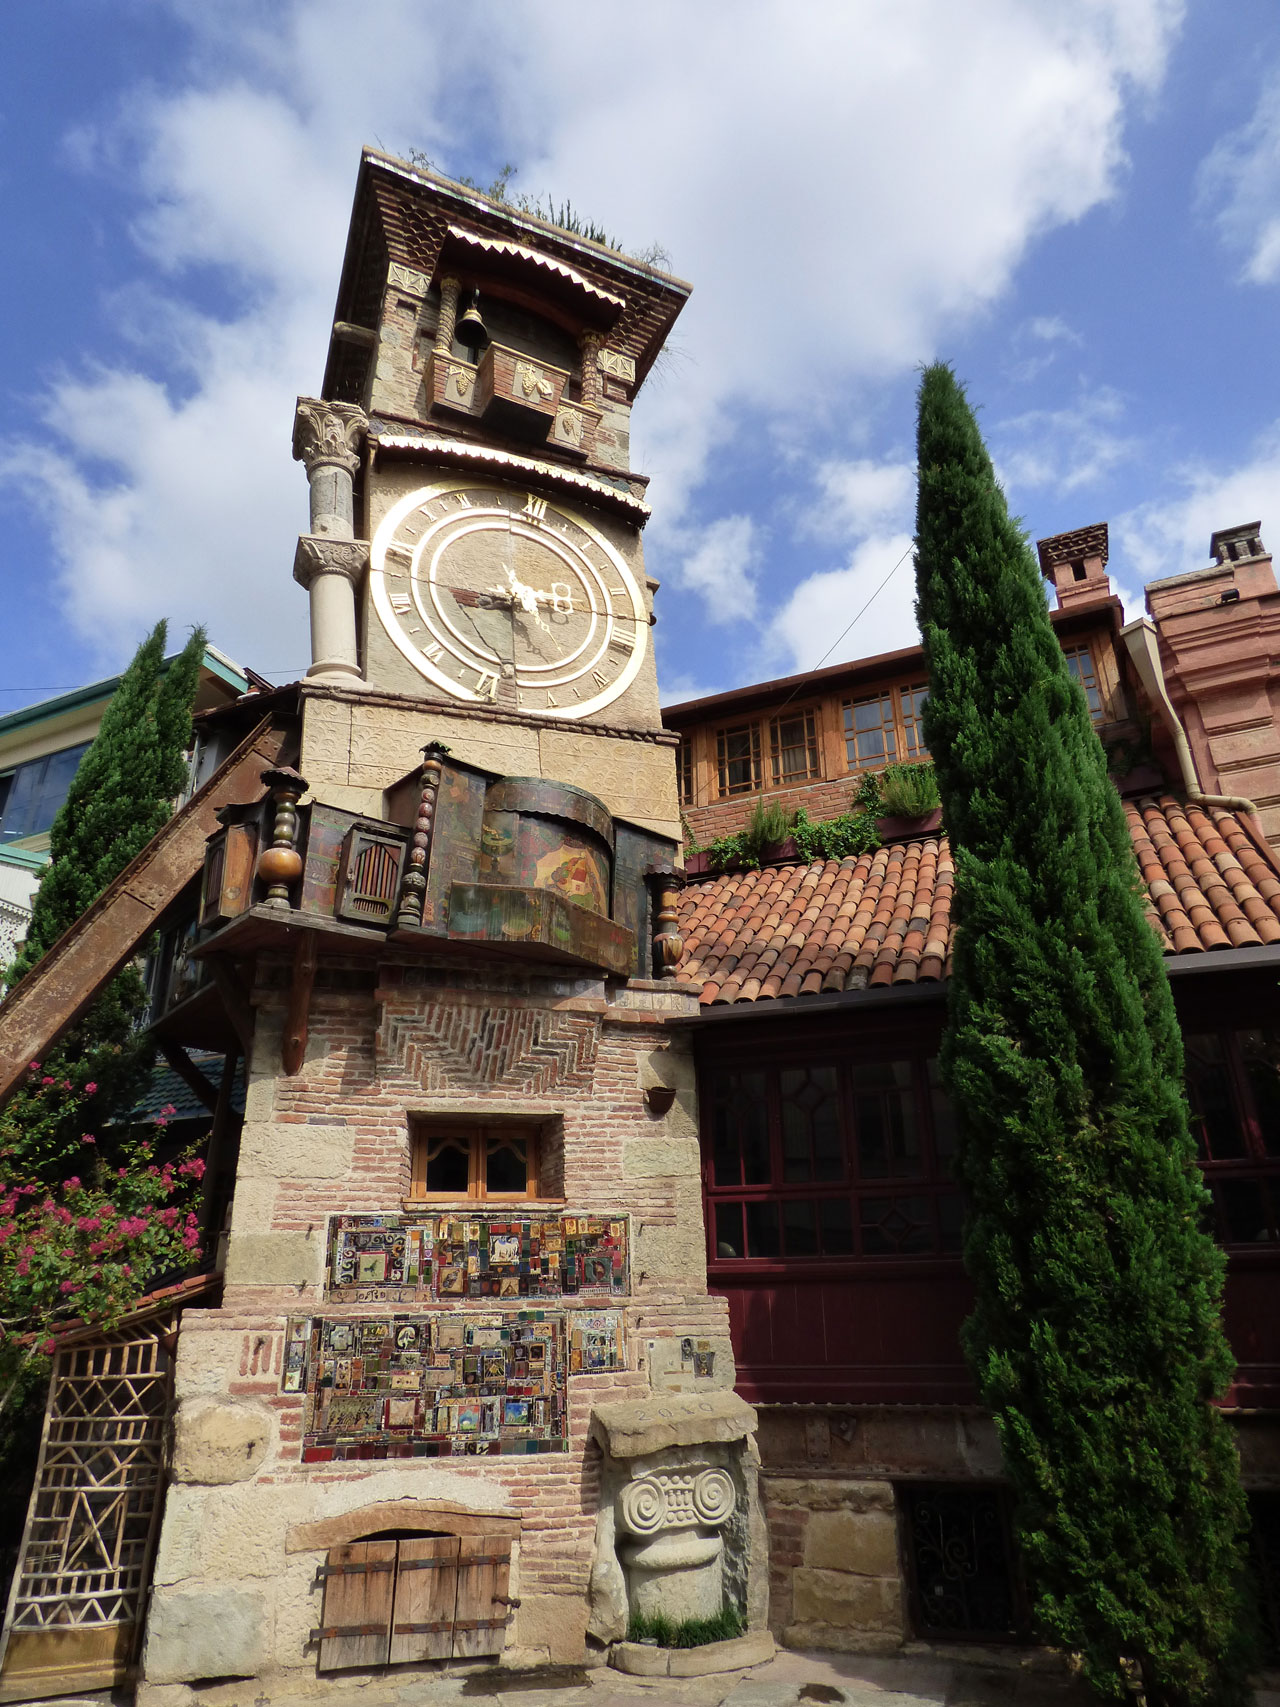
836 1581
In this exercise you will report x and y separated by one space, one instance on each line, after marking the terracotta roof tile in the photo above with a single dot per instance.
884 918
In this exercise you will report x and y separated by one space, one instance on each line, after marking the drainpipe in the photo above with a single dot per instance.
1140 638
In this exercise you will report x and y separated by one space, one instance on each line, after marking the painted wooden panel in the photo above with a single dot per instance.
425 1598
355 1626
887 1338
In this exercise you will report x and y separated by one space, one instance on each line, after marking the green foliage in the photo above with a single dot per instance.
845 837
1095 1337
909 791
768 825
563 214
88 1248
121 795
687 1632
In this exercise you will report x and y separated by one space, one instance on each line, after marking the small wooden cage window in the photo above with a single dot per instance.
493 1162
421 1597
370 881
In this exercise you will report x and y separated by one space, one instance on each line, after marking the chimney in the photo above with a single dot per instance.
1076 563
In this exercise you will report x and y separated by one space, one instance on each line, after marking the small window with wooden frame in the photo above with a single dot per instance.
684 770
475 1161
793 744
738 756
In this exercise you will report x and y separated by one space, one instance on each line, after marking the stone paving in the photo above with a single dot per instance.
791 1679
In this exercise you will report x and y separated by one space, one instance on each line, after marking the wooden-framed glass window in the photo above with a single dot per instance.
738 756
830 1158
1233 1086
684 771
483 1163
912 700
793 743
870 733
1080 664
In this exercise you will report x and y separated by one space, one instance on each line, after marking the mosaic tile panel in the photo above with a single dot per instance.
416 1259
447 1384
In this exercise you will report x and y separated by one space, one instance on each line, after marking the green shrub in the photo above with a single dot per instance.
845 837
685 1633
909 791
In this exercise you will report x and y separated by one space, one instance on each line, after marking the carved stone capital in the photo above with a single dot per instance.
318 554
328 434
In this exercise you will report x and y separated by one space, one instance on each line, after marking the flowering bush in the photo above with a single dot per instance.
89 1247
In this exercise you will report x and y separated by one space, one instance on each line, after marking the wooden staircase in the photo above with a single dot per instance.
62 985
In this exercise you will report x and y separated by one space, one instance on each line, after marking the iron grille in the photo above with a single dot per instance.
964 1579
1264 1553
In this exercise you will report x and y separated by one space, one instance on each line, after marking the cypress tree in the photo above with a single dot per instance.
1095 1339
121 795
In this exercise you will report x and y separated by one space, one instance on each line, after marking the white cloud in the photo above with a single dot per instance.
1038 343
720 563
854 612
1170 536
860 496
882 169
1239 184
1063 450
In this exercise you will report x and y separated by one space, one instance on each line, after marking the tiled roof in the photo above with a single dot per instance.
885 917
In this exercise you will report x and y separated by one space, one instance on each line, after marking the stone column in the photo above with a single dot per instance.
330 560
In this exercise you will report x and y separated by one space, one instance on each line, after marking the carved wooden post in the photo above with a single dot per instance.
414 888
448 316
280 865
589 343
668 944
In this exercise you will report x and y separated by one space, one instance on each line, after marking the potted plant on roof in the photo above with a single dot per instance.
909 803
766 840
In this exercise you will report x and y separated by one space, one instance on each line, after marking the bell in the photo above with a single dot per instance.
470 330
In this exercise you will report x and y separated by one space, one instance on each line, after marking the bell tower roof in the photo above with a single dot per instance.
410 227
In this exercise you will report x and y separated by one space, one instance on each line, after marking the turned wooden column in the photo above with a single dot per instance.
280 864
413 890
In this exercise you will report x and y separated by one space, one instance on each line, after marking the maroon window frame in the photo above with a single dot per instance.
828 1157
1233 1086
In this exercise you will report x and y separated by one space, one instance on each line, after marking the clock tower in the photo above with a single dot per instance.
474 563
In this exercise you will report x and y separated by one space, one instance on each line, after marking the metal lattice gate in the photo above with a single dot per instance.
79 1592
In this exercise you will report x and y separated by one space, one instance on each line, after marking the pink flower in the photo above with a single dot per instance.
48 1348
160 1121
88 1139
122 1173
132 1225
168 1109
88 1224
125 1268
47 1080
69 1286
90 1088
72 1184
63 1215
35 1066
191 1239
194 1167
168 1217
23 1267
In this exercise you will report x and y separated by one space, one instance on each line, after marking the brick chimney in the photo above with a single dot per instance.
1219 632
1076 563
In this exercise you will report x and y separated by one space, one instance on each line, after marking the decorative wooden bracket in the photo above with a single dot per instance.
294 1046
203 1089
235 999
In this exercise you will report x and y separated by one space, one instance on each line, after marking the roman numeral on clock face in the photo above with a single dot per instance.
401 603
535 508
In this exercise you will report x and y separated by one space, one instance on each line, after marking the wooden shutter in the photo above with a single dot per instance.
370 882
355 1625
426 1593
484 1606
228 873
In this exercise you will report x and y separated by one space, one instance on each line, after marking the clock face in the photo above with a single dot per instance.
478 585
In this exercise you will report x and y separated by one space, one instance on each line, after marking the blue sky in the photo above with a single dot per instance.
1077 205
